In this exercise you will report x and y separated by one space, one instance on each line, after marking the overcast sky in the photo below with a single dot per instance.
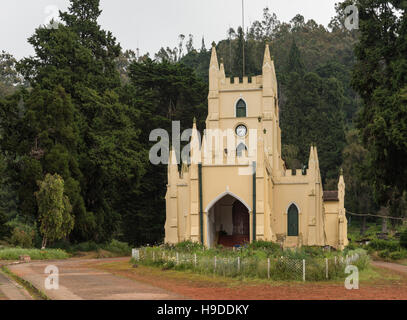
151 24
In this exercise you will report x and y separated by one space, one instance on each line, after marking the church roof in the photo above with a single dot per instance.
330 196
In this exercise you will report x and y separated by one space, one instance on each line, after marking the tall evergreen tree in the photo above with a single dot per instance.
75 124
167 92
380 78
312 115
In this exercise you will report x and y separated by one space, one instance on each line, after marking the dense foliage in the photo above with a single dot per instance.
83 108
380 78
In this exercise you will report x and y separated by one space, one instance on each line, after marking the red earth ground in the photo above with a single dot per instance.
388 282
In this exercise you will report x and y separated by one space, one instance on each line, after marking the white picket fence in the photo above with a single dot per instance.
264 268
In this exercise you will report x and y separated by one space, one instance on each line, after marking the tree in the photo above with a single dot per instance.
75 123
4 229
54 209
181 39
203 46
359 192
312 114
9 77
239 59
164 92
380 78
190 43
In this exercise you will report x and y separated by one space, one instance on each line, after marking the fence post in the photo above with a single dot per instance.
238 264
303 269
268 268
153 256
215 264
133 253
335 260
136 254
195 259
326 268
177 258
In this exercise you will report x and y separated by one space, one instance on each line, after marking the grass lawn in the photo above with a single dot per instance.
35 254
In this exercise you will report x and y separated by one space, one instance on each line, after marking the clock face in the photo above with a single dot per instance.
241 130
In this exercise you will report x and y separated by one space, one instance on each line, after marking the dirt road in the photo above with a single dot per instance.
77 281
115 279
10 290
392 266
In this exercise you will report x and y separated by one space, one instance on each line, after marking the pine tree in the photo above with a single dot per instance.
75 123
380 77
312 115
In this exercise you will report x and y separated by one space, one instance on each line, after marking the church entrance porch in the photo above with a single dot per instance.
228 222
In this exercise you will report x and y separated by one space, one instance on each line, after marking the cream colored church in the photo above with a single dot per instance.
232 193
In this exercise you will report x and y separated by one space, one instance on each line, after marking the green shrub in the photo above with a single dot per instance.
363 262
168 265
22 238
118 247
381 245
261 244
35 254
86 246
313 251
384 254
351 246
188 246
397 255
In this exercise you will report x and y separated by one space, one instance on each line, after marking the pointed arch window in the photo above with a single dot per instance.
240 148
292 221
241 109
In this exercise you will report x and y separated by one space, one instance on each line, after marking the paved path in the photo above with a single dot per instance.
10 290
80 282
392 266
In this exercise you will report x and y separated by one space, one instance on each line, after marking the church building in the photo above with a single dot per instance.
241 191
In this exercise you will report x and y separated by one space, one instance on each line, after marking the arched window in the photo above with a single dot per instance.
240 148
241 111
292 221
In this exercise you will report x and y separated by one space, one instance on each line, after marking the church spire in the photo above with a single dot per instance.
214 71
269 76
222 74
267 57
214 58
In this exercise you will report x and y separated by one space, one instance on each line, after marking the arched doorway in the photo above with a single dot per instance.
292 221
228 222
240 217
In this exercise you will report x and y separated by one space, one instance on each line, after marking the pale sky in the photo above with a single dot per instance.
153 24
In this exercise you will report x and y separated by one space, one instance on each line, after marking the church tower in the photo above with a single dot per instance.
237 187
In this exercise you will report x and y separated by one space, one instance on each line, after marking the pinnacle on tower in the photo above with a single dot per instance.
311 155
222 73
214 71
214 58
267 57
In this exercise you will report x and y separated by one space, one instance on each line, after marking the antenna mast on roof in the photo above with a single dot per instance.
243 37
